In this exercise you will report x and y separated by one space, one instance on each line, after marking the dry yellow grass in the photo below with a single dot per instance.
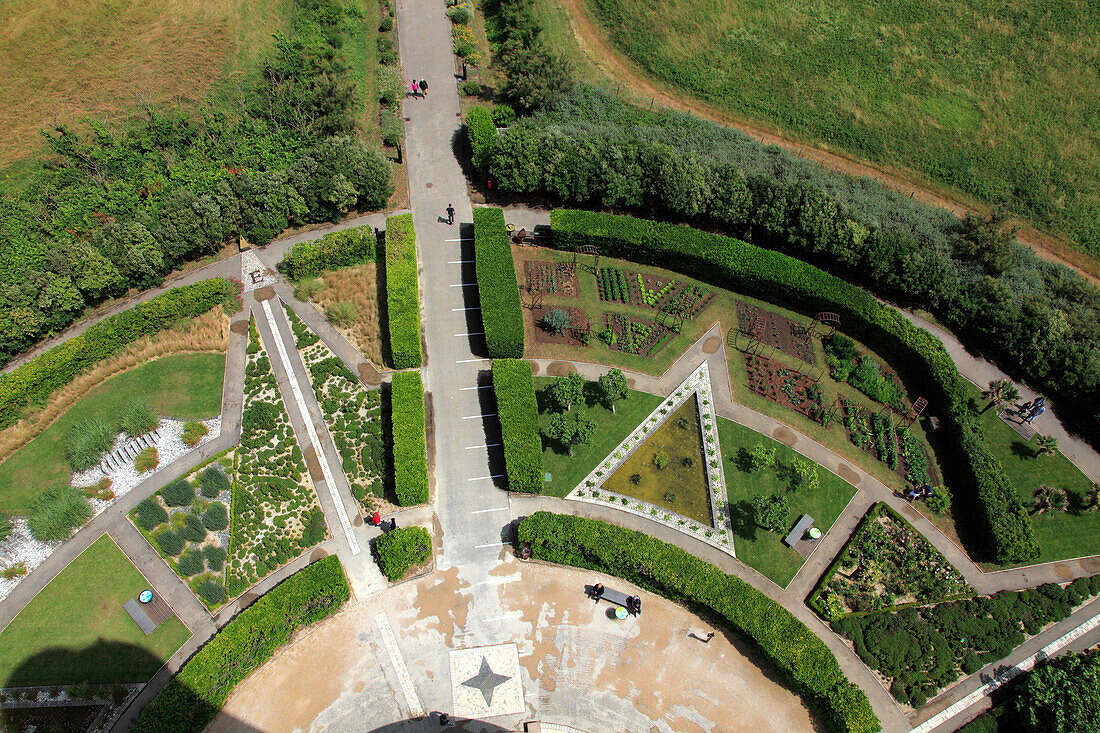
208 332
359 285
63 60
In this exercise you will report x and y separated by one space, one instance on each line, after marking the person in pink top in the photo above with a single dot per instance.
414 88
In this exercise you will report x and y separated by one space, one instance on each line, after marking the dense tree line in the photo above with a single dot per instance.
534 75
120 206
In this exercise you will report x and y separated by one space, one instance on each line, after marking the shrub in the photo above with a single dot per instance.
402 549
178 493
771 511
149 514
5 526
557 320
170 543
137 418
193 529
497 287
410 461
147 459
796 653
392 130
57 512
402 293
307 260
213 482
308 289
483 136
471 89
88 440
386 24
755 271
211 592
215 557
661 459
215 518
193 432
342 313
194 696
519 424
503 115
190 563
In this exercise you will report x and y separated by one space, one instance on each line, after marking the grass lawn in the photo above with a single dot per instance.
184 386
76 630
759 548
611 429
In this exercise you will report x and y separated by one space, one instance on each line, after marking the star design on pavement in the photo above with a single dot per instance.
486 680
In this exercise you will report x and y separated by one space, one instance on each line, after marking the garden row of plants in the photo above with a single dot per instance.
402 549
329 252
463 40
1008 535
33 382
514 387
144 196
846 364
195 695
391 82
799 656
403 293
410 458
497 286
612 285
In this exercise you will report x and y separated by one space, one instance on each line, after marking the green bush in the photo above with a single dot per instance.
332 251
410 460
211 592
178 493
36 380
519 424
793 650
402 293
149 514
402 549
88 440
497 287
193 432
57 512
471 88
733 264
215 518
195 695
170 543
193 529
190 563
215 557
482 132
137 418
147 459
342 313
213 482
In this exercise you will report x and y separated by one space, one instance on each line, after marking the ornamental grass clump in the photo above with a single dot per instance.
57 512
193 432
147 460
89 439
137 419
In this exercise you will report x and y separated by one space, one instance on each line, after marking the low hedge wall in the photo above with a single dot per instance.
402 548
497 287
519 424
402 292
796 653
482 133
730 263
196 694
36 380
339 249
410 457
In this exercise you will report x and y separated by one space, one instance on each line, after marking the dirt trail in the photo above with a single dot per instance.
595 44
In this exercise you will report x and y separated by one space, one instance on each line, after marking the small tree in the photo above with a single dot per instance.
771 511
566 391
1001 394
1045 445
557 320
570 429
612 387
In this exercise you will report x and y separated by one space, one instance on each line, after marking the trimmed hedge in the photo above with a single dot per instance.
339 249
482 132
497 287
36 380
410 457
401 549
199 691
730 263
402 293
519 424
797 654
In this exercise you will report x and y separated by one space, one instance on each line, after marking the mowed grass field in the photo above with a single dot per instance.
998 100
64 60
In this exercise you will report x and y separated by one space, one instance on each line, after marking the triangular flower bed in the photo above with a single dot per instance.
594 488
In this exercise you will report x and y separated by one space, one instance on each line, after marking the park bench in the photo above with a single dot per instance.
804 523
612 596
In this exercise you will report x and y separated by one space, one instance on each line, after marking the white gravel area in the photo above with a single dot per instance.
20 547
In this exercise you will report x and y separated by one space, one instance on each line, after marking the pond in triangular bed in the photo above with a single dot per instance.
669 469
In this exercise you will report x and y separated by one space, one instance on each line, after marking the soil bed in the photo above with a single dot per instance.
578 325
551 278
785 386
779 331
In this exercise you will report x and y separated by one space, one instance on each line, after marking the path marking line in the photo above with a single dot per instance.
469 308
416 710
464 285
483 386
487 445
460 262
1008 675
479 417
483 478
460 239
311 433
471 333
498 509
470 361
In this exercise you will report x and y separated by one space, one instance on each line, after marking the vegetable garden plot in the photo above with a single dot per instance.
779 331
634 335
572 334
551 278
643 290
899 448
773 380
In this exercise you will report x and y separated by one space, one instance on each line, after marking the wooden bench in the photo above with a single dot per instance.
804 523
610 595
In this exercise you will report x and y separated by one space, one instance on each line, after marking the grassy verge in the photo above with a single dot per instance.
76 630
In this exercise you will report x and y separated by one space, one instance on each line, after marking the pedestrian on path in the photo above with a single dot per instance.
423 88
450 214
413 88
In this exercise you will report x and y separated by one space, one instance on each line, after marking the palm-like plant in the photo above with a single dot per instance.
1001 393
1045 445
1092 498
1044 499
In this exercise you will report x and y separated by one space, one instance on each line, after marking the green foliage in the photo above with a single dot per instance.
482 133
732 264
216 517
178 493
5 526
308 289
869 379
762 456
410 461
170 543
402 293
211 592
497 287
471 89
149 514
402 549
57 512
193 697
138 418
190 563
346 247
840 346
612 387
342 313
193 432
1062 696
146 460
193 529
772 512
571 428
557 320
798 655
215 557
519 424
213 481
566 391
89 439
535 76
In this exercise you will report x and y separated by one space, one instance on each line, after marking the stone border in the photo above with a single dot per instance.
720 536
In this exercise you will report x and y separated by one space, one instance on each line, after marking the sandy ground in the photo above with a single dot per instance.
579 667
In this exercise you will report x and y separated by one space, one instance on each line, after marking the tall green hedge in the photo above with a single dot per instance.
401 549
338 249
497 287
730 263
482 132
410 457
402 292
795 652
519 424
199 691
36 380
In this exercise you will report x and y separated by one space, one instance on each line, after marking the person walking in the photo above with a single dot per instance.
423 88
450 214
413 88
